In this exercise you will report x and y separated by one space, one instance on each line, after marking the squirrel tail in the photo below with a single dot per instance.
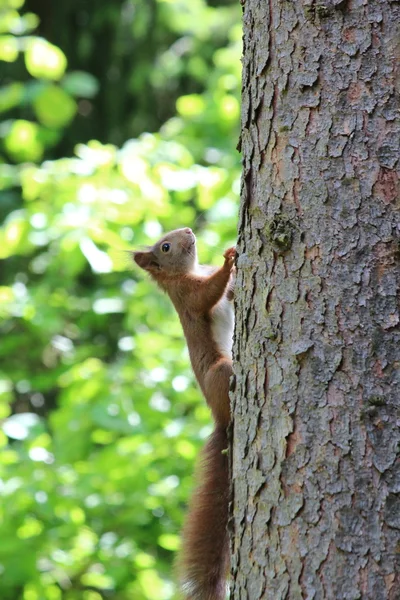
204 560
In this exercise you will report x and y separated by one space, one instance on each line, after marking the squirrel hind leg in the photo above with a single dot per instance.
216 384
204 560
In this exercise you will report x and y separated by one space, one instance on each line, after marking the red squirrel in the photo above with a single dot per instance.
202 297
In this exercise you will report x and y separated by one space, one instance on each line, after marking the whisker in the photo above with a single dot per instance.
200 217
188 251
122 258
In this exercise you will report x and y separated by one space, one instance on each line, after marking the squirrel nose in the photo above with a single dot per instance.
188 230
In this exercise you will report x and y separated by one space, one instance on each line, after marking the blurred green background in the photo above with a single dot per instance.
118 120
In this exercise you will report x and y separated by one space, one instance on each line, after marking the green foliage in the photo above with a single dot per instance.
45 101
101 420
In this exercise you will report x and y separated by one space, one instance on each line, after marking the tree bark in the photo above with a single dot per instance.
316 438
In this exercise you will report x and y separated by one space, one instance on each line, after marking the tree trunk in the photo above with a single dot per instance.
316 443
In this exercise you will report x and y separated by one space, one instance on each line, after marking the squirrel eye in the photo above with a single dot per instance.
166 247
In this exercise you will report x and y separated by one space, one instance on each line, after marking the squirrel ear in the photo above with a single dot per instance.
145 260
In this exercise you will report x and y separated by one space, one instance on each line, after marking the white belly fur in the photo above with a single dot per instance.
222 326
223 319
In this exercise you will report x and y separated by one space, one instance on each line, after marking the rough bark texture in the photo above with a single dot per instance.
316 437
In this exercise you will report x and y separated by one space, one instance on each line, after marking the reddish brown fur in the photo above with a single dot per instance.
204 558
194 298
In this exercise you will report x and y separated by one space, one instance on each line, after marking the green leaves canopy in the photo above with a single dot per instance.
100 417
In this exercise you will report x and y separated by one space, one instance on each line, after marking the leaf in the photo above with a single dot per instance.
44 60
8 48
54 107
22 141
80 83
169 541
191 105
20 425
10 96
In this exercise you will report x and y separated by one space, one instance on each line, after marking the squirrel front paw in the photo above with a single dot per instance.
229 256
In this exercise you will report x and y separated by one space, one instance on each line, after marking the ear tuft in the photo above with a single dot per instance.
145 260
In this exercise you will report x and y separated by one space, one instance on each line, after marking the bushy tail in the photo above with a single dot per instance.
204 559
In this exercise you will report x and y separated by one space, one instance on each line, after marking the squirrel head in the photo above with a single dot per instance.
174 254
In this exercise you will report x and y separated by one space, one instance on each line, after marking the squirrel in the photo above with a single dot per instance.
202 297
